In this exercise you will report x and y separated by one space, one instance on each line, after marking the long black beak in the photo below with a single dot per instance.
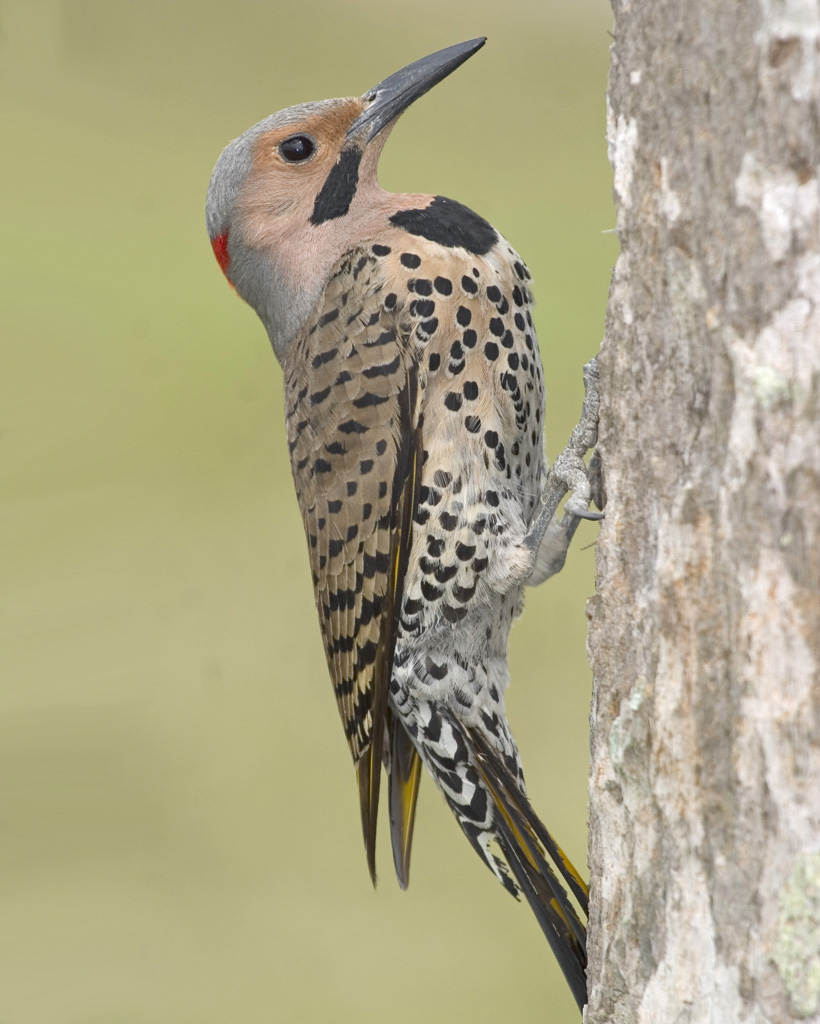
394 95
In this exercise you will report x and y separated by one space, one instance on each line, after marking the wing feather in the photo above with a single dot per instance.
351 396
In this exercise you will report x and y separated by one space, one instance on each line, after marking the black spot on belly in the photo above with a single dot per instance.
449 223
340 186
453 615
445 573
437 672
435 546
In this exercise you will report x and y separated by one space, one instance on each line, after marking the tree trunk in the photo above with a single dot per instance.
705 635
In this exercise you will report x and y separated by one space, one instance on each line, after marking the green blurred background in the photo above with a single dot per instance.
179 833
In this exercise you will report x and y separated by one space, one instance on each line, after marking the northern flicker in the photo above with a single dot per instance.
414 406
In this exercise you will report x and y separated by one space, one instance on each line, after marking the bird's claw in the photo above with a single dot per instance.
569 472
549 537
583 513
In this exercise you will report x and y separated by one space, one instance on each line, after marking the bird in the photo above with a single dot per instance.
414 403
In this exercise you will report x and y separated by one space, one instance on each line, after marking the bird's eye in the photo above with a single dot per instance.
297 148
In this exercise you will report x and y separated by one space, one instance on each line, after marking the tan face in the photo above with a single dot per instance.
290 165
288 198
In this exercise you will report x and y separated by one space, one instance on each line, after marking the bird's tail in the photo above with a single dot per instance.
528 847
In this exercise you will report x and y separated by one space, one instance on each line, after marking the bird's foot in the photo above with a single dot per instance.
548 537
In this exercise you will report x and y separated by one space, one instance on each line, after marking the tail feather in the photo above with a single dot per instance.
518 800
566 948
368 774
404 775
485 792
524 840
515 831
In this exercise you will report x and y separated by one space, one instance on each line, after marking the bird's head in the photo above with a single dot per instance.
297 190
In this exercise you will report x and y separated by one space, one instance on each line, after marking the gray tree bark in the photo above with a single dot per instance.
705 628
